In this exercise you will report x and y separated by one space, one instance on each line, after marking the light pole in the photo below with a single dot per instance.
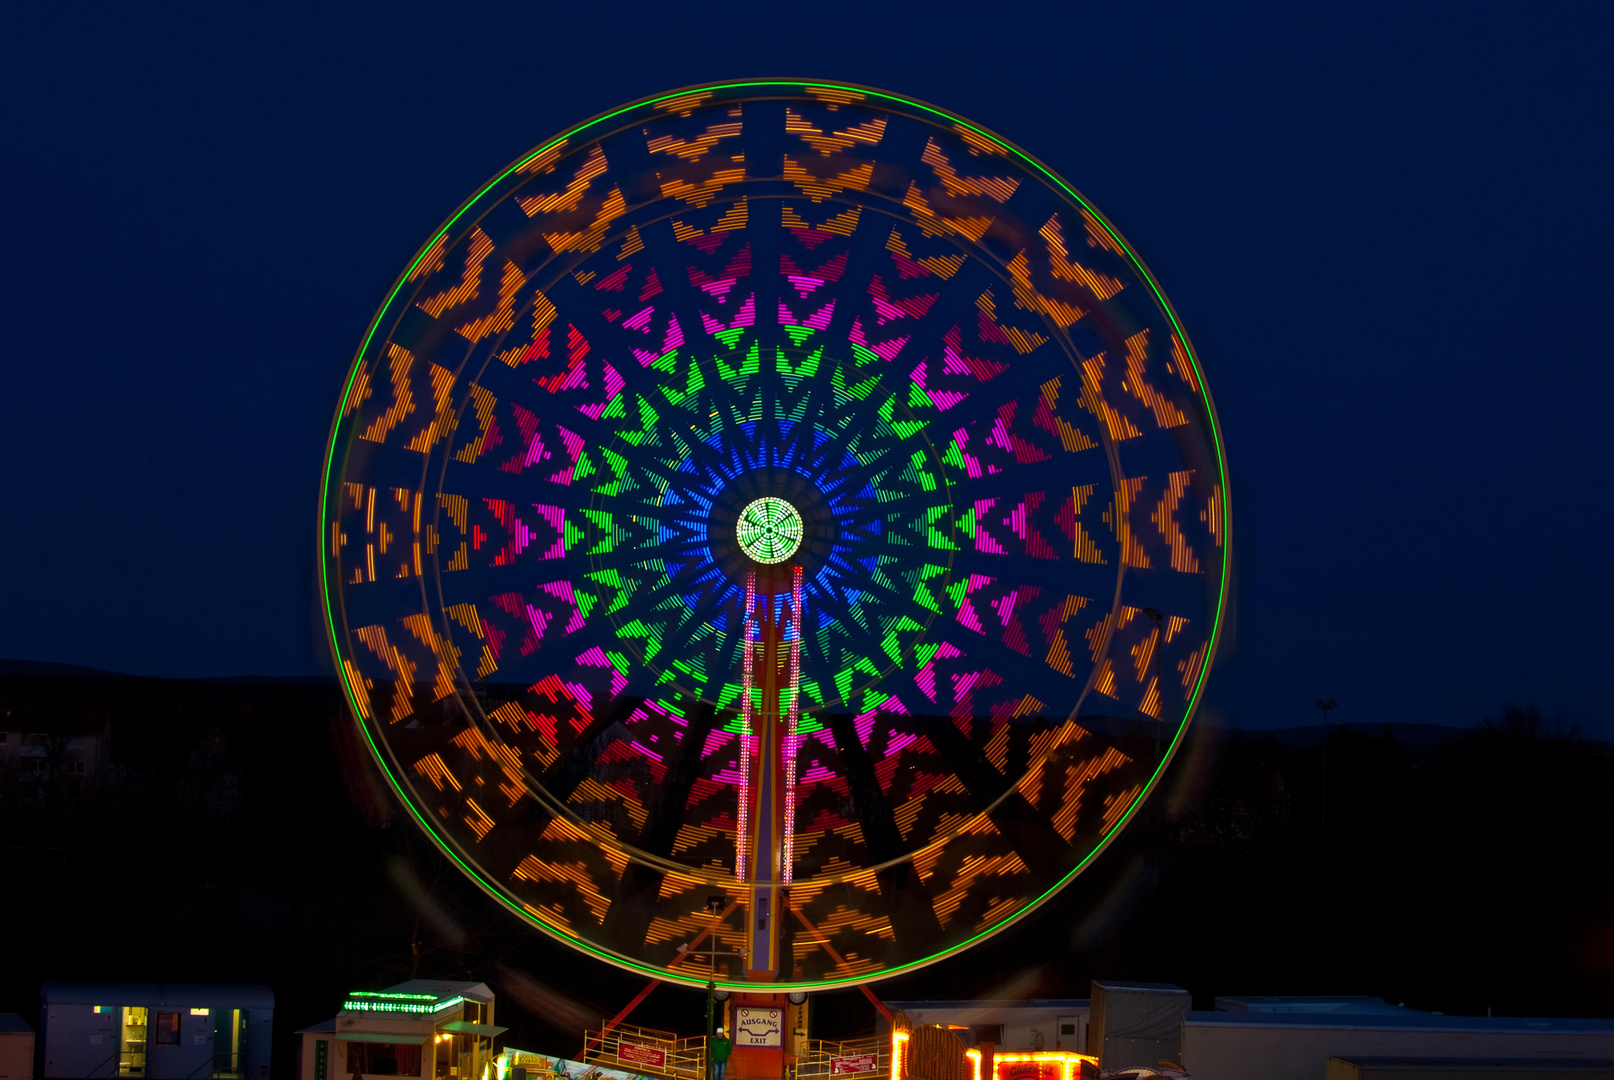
1327 705
711 1008
714 904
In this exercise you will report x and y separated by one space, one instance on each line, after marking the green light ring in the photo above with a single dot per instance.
1213 641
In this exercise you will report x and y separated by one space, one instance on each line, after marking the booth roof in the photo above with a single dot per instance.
462 1027
1480 1064
175 995
1401 1020
473 991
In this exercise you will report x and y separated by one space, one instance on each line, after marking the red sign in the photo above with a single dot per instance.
1029 1070
854 1063
653 1056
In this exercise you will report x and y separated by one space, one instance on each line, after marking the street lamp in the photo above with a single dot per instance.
714 904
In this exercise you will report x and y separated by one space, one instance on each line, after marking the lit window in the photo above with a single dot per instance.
198 1012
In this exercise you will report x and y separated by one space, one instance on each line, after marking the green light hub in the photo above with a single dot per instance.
769 530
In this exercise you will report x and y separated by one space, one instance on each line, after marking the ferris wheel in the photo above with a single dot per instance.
779 514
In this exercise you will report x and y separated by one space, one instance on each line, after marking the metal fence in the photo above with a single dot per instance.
647 1052
823 1059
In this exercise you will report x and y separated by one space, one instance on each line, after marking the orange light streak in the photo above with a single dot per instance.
1069 1061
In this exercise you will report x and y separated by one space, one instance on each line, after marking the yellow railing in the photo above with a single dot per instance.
647 1052
821 1058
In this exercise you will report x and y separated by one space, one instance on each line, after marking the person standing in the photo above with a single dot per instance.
720 1050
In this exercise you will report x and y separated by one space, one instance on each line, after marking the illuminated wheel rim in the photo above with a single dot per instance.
553 465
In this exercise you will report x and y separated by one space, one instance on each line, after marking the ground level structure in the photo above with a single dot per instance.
1139 1028
152 1031
1023 1025
1296 1045
16 1048
419 1028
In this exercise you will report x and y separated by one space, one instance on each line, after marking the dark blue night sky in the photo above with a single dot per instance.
1386 228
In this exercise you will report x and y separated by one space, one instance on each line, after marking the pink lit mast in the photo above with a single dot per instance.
770 712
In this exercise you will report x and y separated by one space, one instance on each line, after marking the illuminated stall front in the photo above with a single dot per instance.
421 1028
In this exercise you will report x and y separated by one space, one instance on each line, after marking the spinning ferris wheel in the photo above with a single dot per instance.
780 513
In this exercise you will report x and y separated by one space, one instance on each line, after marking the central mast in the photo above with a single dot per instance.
770 705
770 533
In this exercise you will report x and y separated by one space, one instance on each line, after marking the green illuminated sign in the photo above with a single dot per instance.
377 1001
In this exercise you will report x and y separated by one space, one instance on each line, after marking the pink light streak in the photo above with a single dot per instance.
562 590
926 680
900 742
557 521
613 387
596 657
972 464
535 451
983 539
675 335
863 724
1004 606
889 350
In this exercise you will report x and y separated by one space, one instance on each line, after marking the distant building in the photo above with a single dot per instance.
1136 1024
1437 1068
419 1028
155 1032
16 1048
1350 1004
1148 1029
38 748
1297 1045
1031 1024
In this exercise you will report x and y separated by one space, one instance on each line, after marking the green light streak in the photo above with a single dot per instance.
368 1001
